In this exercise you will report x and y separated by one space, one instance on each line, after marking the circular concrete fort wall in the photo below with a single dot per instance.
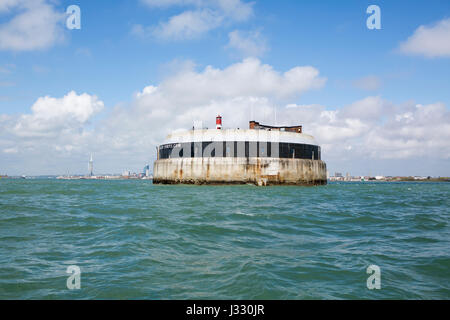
237 156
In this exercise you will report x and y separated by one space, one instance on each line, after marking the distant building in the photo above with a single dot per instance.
146 171
91 166
126 173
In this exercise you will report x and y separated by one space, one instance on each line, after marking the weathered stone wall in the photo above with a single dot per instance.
260 171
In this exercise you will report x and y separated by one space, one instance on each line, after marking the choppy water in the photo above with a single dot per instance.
133 239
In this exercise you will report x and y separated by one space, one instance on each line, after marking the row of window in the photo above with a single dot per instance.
229 149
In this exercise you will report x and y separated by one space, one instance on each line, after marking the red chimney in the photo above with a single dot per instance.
219 122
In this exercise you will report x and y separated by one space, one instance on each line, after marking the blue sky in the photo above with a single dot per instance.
108 59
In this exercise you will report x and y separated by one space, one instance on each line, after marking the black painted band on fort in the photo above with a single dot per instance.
238 149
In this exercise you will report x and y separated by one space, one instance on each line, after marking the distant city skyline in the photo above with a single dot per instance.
376 100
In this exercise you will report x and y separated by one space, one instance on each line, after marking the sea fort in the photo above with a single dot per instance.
261 155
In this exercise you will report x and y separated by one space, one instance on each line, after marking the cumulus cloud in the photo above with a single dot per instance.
415 131
377 129
249 77
52 117
35 25
429 41
368 109
201 17
126 136
250 44
55 132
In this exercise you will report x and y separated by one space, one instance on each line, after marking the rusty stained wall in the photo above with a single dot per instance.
260 171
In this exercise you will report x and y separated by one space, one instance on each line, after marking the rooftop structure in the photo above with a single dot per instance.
256 125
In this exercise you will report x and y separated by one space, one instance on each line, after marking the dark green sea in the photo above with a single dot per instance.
136 240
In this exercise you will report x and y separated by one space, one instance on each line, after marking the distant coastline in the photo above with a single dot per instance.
107 177
431 179
80 177
391 179
150 177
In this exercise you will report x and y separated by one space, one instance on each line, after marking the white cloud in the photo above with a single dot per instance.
56 132
249 77
189 24
429 41
35 25
248 43
52 117
424 131
368 109
202 17
374 128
